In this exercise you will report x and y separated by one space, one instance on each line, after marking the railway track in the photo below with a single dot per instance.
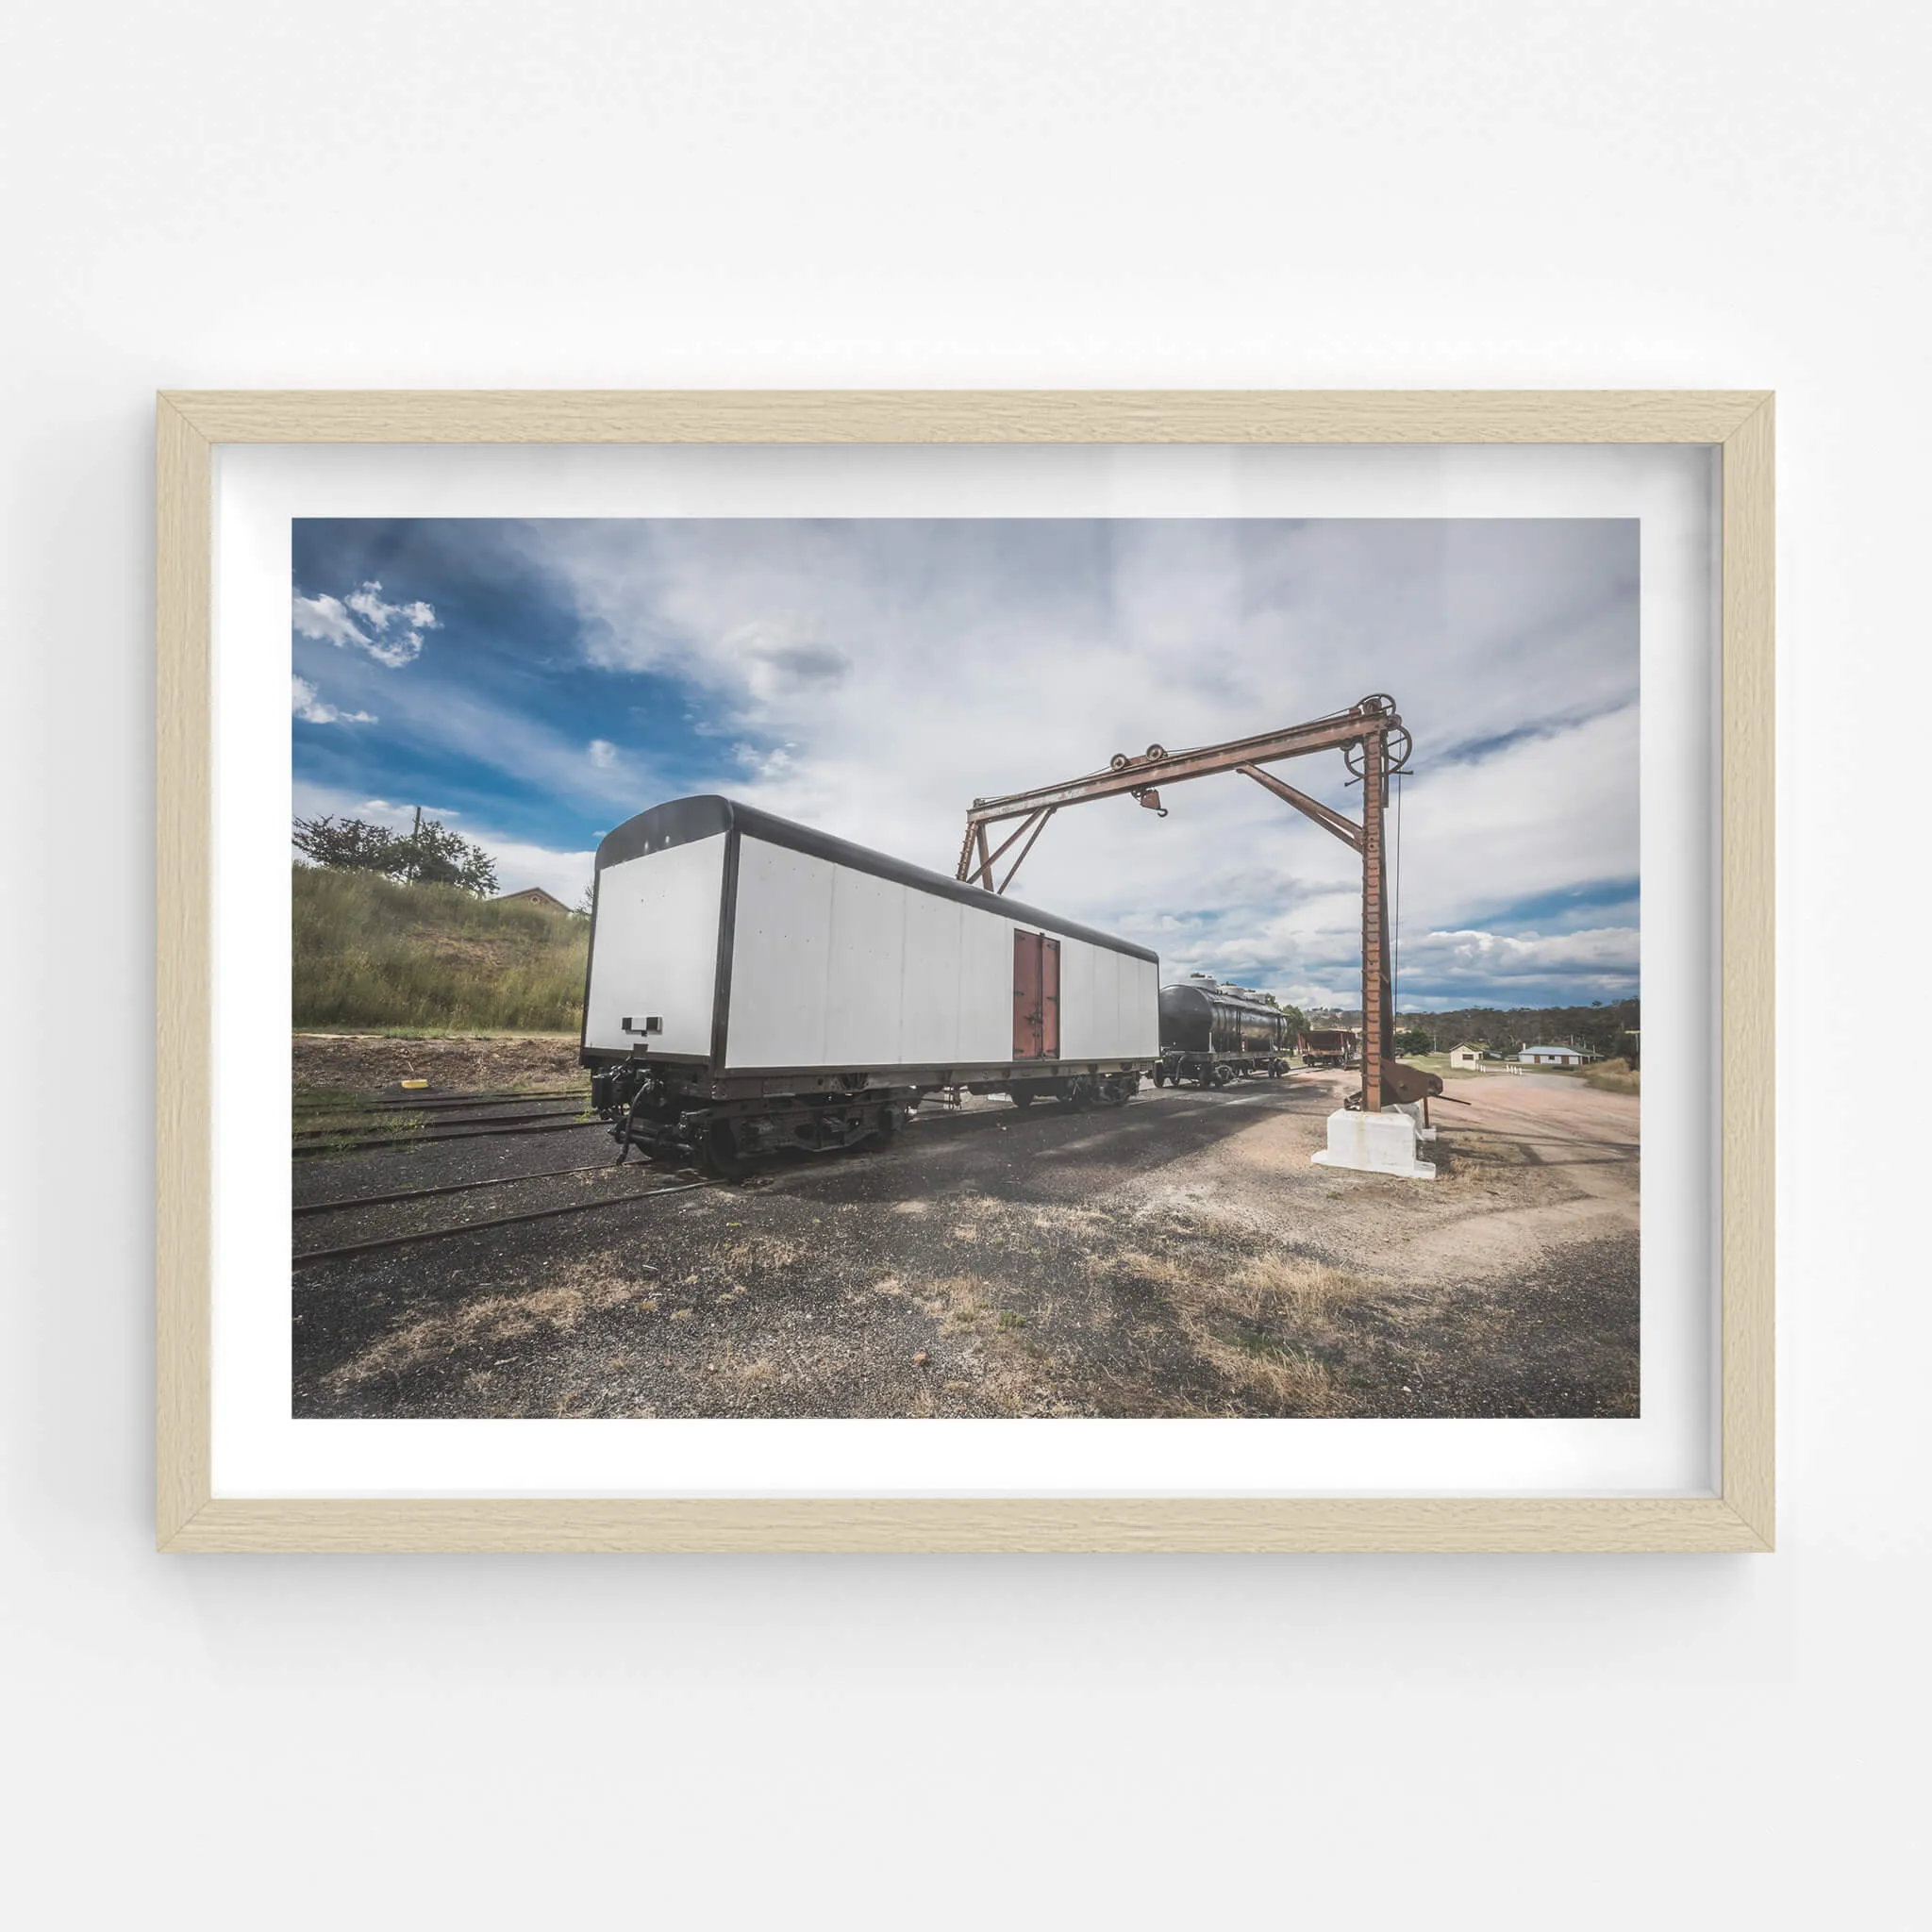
343 1251
434 1103
505 1180
334 1142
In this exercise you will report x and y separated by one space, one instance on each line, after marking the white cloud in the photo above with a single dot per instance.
872 678
390 633
307 705
1602 958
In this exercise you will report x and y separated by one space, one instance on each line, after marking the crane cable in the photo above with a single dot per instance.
1396 935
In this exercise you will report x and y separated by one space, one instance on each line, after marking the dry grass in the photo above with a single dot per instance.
1288 1382
369 952
1614 1076
1257 1323
958 1302
556 1308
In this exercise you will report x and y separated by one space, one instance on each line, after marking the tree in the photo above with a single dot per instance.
345 844
1413 1040
429 854
432 855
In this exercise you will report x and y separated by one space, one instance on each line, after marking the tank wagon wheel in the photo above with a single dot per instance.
1223 1074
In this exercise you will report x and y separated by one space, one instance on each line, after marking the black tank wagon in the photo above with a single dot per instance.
1211 1037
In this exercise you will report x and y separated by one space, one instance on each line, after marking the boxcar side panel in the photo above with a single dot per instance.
780 957
1140 1005
657 949
1106 999
986 988
866 970
929 988
1078 1038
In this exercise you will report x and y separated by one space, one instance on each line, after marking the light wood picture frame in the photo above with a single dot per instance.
192 425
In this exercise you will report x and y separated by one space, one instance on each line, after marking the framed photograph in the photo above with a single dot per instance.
963 971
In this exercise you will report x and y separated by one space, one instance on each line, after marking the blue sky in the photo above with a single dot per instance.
535 683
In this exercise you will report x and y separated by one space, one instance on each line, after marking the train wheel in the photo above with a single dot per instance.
719 1156
1160 1076
1223 1074
1022 1096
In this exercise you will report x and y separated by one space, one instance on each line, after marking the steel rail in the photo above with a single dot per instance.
307 1148
367 1102
464 1119
507 1180
437 1234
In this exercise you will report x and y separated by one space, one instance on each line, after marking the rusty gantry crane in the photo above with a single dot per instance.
1374 746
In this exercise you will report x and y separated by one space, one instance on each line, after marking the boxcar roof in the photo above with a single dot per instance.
683 820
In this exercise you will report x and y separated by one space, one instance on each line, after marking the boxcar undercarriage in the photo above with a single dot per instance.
724 1124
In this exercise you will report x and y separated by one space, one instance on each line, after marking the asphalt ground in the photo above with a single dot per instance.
1178 1256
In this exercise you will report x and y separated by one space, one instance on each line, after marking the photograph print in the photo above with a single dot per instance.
970 968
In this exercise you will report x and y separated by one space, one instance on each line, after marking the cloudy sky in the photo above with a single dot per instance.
535 683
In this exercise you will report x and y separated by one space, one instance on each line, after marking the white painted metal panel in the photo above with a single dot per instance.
866 970
929 1013
984 984
1140 1006
837 968
1078 1038
1107 1000
657 948
780 957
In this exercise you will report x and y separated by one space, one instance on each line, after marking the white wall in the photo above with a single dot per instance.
655 948
847 192
833 967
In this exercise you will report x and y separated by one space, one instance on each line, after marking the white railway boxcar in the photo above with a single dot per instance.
756 984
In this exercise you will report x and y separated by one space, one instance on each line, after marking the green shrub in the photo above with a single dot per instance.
369 952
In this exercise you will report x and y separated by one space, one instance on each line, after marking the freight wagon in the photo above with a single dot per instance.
1210 1037
1331 1048
754 985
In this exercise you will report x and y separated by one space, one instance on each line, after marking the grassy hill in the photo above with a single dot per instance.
371 952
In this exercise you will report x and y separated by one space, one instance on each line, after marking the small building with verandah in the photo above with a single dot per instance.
1553 1057
1471 1052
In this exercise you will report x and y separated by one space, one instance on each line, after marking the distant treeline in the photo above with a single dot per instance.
1603 1028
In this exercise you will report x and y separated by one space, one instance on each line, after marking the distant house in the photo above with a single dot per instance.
536 896
1554 1057
1470 1053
